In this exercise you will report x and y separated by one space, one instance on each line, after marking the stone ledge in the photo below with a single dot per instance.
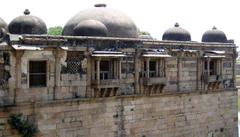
91 100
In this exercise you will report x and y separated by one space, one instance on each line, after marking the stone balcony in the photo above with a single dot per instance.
154 81
213 81
212 78
109 83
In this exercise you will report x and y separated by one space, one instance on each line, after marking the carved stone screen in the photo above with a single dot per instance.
74 62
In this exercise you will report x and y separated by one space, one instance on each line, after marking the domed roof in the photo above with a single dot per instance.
3 24
214 35
27 24
90 28
177 34
117 23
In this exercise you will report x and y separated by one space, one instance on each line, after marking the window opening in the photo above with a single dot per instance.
37 73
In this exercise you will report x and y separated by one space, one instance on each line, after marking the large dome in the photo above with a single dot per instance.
27 24
176 34
214 35
116 23
3 24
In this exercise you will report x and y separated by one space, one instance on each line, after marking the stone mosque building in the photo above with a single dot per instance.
100 78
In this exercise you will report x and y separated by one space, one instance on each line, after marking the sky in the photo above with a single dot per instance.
153 16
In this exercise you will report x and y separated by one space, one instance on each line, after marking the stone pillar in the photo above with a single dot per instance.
57 76
178 73
89 74
220 85
198 72
119 69
208 67
157 67
233 67
147 65
221 67
58 68
18 71
92 65
19 55
164 67
113 69
218 66
142 62
138 67
98 71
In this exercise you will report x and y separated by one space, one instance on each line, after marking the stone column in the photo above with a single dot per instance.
198 72
92 67
89 74
220 85
58 68
178 73
119 69
208 67
57 54
138 67
218 67
233 67
221 67
142 62
147 65
157 67
113 69
98 71
19 55
18 72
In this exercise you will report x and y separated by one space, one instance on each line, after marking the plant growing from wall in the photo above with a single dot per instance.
24 127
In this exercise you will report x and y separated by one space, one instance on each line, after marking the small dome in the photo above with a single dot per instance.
116 23
90 28
3 24
214 35
27 24
177 34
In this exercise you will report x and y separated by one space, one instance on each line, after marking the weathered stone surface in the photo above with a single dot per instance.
162 116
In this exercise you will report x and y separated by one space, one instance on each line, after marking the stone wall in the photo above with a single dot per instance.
188 75
183 74
171 72
227 73
180 115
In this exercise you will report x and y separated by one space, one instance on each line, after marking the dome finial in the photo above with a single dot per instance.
100 5
26 12
176 25
214 28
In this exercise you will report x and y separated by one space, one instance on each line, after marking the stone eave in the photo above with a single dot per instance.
70 40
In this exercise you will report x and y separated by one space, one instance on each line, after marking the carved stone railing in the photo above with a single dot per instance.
212 78
213 81
105 88
154 81
109 83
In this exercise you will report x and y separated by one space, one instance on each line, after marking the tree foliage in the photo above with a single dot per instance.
144 33
57 30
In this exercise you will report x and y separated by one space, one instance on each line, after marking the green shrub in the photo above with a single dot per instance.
22 125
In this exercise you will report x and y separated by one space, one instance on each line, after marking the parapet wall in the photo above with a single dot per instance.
180 115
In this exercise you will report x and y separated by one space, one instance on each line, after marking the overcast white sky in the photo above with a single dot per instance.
154 16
